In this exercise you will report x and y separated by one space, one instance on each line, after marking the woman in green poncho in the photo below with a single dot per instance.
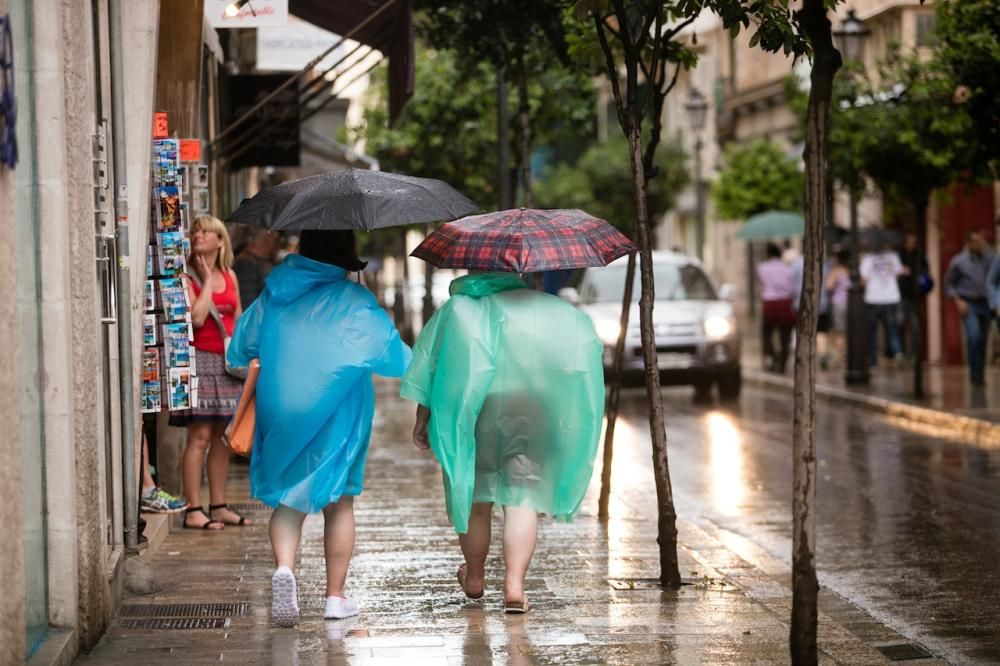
510 387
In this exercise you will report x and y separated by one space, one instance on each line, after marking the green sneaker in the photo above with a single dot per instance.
160 501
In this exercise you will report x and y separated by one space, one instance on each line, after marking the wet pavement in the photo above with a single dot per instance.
908 529
908 524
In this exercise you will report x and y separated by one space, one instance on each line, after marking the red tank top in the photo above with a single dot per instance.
207 337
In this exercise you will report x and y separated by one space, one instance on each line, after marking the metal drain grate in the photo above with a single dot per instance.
184 610
176 623
903 651
249 506
644 583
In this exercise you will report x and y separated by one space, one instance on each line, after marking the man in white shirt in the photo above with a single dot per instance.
879 271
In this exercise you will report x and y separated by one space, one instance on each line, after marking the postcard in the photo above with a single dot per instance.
201 200
149 330
150 397
201 176
179 389
174 296
171 253
177 345
151 365
150 300
168 209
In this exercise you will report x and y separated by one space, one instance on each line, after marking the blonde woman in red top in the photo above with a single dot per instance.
211 261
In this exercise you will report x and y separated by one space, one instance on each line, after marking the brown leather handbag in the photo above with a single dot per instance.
239 435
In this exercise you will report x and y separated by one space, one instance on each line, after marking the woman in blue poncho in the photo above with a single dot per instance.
510 385
319 337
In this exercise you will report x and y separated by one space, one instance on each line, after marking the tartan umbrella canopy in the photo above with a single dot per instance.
524 240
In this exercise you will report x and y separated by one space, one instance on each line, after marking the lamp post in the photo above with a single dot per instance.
697 108
850 36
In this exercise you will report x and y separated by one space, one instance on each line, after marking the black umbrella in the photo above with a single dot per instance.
876 238
353 199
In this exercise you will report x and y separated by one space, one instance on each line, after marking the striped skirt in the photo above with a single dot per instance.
218 393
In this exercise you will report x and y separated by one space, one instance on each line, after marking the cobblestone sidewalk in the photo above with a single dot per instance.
589 601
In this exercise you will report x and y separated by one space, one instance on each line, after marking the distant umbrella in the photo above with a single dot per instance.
772 224
876 238
353 199
524 240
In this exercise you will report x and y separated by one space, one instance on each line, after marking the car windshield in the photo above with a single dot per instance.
674 282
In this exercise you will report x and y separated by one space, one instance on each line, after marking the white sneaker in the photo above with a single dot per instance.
284 598
337 608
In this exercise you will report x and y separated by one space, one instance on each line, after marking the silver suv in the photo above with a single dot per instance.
697 340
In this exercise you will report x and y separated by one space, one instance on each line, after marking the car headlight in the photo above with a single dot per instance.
718 327
607 331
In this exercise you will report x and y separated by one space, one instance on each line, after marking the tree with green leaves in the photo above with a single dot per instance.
757 177
919 138
600 183
968 47
446 132
517 36
636 38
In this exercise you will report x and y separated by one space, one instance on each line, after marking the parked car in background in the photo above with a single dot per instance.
697 340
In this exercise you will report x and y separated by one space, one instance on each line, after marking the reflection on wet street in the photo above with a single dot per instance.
908 525
907 531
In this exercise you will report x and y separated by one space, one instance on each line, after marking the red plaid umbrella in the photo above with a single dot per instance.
524 240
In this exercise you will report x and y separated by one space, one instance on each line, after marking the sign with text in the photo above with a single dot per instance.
293 46
271 136
160 129
249 14
190 150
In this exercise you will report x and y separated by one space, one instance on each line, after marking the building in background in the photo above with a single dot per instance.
747 93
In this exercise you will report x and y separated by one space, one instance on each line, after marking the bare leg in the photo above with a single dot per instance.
147 479
285 531
338 543
476 546
198 438
520 531
218 471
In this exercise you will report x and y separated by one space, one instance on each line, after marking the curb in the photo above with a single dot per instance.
972 430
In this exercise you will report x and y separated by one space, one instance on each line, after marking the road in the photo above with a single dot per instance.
908 524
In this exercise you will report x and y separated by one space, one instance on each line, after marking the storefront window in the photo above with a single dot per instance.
29 332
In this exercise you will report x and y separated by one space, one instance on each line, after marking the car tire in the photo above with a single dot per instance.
702 392
730 385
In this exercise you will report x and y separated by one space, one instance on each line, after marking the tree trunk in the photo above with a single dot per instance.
400 308
667 517
503 139
428 305
614 394
524 125
916 318
813 21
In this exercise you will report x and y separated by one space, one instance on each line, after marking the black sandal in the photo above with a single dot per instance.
242 522
207 525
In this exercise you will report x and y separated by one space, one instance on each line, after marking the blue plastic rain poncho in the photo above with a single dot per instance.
319 338
515 385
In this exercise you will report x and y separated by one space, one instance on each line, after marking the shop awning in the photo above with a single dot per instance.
391 33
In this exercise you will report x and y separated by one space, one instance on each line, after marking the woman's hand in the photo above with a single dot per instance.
420 438
204 270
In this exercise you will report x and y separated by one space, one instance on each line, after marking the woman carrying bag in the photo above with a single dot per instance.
319 337
212 288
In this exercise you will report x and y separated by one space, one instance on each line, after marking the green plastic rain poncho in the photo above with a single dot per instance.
515 385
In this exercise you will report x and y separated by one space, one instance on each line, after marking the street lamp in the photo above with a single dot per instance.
697 108
850 36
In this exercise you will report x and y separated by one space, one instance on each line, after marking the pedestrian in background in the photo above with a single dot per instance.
211 280
966 285
254 264
910 303
319 337
509 384
837 286
993 287
879 273
777 291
